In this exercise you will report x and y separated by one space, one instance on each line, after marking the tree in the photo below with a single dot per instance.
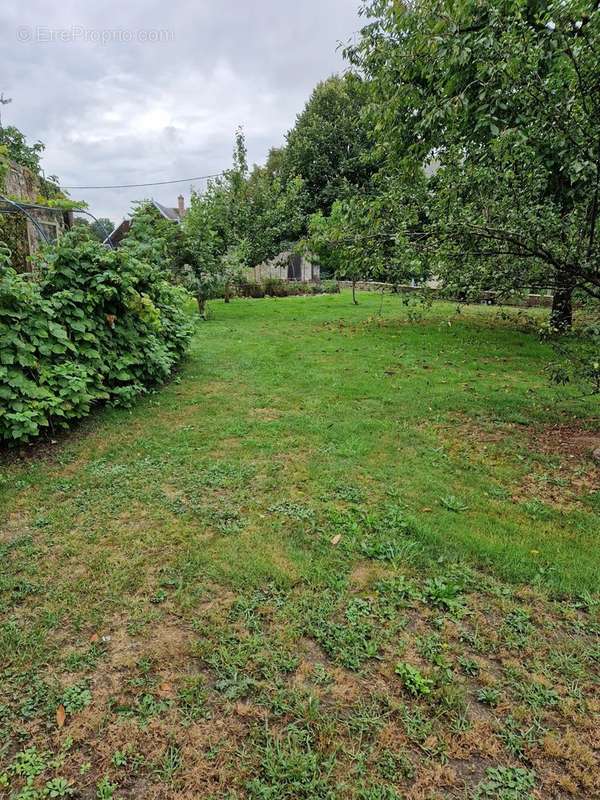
364 236
102 227
502 99
243 218
346 242
28 155
330 145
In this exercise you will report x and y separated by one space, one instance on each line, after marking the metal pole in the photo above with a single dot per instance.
28 215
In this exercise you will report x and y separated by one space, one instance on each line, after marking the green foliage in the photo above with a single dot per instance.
577 353
105 789
489 696
14 247
242 219
292 769
192 699
444 594
506 783
453 503
364 237
95 325
100 228
496 104
330 146
76 698
413 679
18 149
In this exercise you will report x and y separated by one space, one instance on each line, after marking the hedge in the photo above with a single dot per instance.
276 287
90 325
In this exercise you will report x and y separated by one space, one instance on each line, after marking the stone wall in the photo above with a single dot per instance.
278 268
21 183
17 230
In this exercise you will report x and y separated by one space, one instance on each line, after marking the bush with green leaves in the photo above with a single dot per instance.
89 325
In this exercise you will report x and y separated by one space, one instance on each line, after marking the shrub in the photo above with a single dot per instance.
326 287
91 325
251 289
275 287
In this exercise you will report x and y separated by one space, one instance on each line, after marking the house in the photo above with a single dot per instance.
25 222
287 266
166 212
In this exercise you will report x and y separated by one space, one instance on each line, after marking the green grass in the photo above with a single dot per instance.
339 540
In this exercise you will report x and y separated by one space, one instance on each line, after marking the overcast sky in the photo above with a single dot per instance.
129 92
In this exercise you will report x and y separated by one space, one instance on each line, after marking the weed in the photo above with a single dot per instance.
76 697
537 695
105 790
58 787
444 594
234 685
120 758
489 696
398 589
378 792
414 681
39 699
226 520
506 783
351 494
77 662
517 739
29 763
291 769
453 503
387 536
294 511
171 762
391 764
223 474
192 699
366 719
322 676
468 665
145 707
349 644
517 628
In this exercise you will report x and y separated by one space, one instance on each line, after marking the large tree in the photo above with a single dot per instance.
330 146
502 100
243 218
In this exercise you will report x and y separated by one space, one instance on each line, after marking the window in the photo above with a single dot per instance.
50 230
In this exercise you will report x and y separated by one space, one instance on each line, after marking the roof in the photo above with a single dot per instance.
168 213
122 229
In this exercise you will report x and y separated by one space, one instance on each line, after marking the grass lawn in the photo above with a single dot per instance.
342 555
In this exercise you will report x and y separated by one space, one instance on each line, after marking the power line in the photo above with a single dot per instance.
154 183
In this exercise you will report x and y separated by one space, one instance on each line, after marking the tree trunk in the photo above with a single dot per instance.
561 316
354 300
201 306
227 293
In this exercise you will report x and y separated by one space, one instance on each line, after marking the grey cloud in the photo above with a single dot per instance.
125 112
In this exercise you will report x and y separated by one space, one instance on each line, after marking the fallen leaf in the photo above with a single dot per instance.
336 539
94 637
165 688
61 715
426 510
